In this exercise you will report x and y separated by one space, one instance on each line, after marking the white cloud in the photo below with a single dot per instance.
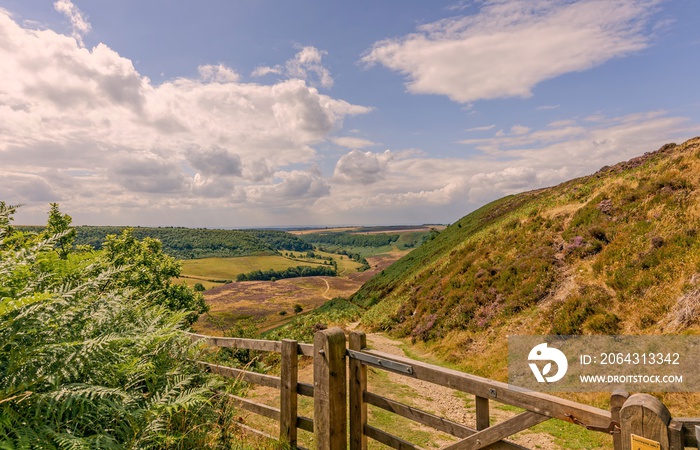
519 129
510 46
306 65
483 128
511 163
218 73
362 167
579 148
507 181
264 70
297 188
352 142
77 20
83 127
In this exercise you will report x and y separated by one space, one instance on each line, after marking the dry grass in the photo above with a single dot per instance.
264 300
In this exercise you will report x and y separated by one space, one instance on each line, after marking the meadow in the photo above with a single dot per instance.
212 272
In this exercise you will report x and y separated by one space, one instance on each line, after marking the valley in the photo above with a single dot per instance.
263 302
616 252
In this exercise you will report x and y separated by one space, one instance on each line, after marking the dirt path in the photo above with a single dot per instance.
444 402
448 403
328 288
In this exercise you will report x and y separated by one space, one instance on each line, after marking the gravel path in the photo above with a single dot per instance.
451 404
444 402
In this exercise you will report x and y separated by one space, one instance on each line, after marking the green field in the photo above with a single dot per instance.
213 271
228 268
345 264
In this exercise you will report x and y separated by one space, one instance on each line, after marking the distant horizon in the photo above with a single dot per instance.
281 227
278 113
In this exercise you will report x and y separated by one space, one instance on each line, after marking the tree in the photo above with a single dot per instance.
59 226
298 308
145 269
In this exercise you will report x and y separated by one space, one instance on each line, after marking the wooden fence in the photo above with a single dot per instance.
341 398
287 383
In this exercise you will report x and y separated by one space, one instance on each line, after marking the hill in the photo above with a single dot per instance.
614 252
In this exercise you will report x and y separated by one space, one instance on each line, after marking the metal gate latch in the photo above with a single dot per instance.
613 428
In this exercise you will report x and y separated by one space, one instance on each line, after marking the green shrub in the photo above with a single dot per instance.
585 311
88 361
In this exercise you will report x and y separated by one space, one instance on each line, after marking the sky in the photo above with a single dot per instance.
273 113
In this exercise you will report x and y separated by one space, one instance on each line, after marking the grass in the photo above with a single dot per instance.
345 264
379 382
228 268
573 437
604 254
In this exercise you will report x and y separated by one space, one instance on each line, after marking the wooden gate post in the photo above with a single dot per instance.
358 385
288 392
617 400
644 416
330 407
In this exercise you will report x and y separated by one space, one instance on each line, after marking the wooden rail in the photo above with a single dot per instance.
341 396
538 407
287 383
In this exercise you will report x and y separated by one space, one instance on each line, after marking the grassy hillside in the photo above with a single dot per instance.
614 252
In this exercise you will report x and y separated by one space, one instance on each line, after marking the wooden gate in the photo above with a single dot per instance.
341 397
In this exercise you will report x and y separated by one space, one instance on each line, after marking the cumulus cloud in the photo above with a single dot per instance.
148 175
24 188
510 46
215 161
295 188
218 73
362 167
305 65
507 181
521 159
119 141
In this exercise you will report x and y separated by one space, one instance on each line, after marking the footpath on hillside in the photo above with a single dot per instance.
441 401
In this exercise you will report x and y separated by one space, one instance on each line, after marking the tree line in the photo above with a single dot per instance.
192 243
344 239
291 272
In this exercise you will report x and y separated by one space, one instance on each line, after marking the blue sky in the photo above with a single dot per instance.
279 113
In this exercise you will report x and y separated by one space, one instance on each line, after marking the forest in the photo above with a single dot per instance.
344 239
193 243
291 272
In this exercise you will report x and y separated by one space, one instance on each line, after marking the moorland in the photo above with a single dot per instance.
615 252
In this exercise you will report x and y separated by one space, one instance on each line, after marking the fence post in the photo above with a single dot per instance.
288 392
483 420
358 385
617 399
330 407
645 416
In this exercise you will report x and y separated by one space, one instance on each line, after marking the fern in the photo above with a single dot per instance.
87 360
